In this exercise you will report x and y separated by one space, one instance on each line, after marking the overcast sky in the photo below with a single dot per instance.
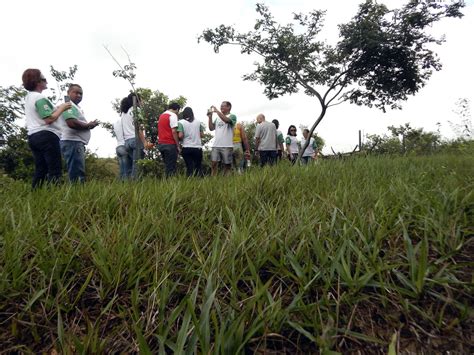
161 38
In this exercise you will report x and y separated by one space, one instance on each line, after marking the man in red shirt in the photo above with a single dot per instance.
168 143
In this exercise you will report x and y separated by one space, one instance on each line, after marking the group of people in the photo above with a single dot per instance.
61 132
55 132
184 136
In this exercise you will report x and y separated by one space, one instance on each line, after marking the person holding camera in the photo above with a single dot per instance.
223 145
75 135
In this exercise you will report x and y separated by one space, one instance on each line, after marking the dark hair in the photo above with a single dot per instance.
289 129
31 78
73 85
125 105
127 102
228 104
188 114
306 130
276 123
174 106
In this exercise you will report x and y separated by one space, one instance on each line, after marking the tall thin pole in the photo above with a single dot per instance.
136 152
360 140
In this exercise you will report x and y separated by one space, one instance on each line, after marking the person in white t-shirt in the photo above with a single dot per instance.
43 128
126 115
310 151
223 145
292 144
125 162
190 132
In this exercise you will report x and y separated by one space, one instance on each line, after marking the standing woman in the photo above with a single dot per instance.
292 148
44 130
128 129
190 132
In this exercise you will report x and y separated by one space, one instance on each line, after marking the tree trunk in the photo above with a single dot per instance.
310 134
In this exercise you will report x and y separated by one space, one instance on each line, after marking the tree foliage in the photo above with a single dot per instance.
403 140
382 57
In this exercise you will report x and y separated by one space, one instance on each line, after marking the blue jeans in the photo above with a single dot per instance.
131 145
47 154
74 153
125 163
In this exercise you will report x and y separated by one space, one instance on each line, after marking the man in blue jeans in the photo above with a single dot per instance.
75 136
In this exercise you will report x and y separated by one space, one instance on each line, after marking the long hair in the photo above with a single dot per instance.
289 130
188 114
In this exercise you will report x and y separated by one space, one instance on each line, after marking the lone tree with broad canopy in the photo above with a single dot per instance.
382 56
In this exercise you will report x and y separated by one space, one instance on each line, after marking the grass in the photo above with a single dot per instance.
363 254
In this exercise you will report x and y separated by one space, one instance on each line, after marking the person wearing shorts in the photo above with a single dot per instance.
223 124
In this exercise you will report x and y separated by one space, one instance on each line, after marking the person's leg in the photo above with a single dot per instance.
170 155
304 160
41 169
198 162
227 156
215 159
238 155
122 157
74 155
188 160
272 157
52 156
263 157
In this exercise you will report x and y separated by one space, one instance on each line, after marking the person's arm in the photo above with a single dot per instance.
288 144
232 119
211 124
201 130
243 137
47 112
180 131
76 124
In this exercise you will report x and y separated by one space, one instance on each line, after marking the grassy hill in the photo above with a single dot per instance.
361 254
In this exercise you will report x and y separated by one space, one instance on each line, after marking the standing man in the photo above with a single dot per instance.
266 141
280 140
75 136
168 142
240 144
223 145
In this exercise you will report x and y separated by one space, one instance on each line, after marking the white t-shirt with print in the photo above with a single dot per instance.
309 151
224 132
292 141
37 108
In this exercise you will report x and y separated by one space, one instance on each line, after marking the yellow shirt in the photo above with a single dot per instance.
237 137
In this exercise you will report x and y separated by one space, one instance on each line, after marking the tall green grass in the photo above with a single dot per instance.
368 253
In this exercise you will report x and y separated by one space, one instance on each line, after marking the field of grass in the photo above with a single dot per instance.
370 254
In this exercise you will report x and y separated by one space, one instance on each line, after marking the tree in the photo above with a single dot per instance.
403 140
463 130
383 56
11 108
